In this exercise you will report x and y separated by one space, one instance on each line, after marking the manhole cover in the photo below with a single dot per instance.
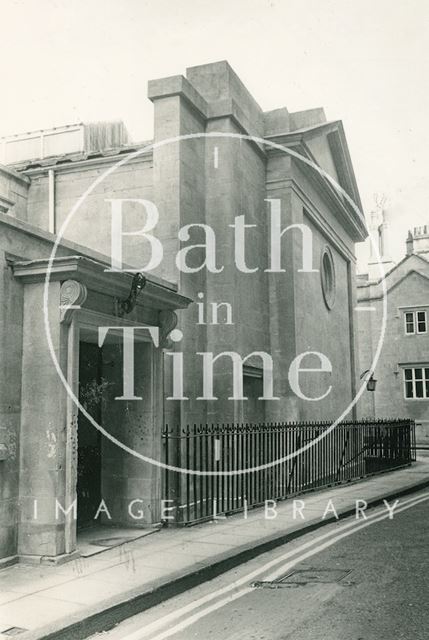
305 576
13 631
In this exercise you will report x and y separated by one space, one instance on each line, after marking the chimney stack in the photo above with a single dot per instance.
421 239
410 244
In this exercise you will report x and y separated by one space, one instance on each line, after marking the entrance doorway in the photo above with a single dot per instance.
89 438
253 389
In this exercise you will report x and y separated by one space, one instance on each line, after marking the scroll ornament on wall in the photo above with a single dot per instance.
72 296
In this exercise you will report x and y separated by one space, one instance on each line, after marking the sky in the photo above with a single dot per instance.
365 61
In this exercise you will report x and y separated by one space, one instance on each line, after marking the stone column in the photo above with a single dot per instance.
48 423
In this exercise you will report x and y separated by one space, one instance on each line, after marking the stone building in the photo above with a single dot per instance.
402 371
49 450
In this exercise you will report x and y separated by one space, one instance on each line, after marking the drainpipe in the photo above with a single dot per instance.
51 203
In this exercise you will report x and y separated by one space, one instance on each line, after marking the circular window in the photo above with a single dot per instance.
328 278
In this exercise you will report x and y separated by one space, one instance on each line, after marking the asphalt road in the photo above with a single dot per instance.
370 584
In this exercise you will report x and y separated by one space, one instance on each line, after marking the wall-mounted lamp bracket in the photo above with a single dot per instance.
126 306
371 383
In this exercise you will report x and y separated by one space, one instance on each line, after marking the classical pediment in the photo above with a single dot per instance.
325 145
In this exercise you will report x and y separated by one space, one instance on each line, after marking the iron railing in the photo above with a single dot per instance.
242 466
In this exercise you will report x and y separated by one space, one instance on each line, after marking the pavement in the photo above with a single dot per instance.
87 595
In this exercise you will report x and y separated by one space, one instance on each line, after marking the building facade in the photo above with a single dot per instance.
402 371
215 157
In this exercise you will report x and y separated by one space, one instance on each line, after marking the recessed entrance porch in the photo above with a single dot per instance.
114 487
75 465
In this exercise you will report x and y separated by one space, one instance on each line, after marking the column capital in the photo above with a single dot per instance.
72 295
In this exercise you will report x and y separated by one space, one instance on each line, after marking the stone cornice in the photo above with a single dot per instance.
340 152
338 146
72 248
340 207
95 277
303 134
313 213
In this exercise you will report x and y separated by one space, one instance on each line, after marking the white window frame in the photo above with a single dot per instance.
413 332
424 380
425 321
415 313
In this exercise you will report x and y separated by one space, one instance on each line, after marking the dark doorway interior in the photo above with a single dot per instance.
253 408
89 438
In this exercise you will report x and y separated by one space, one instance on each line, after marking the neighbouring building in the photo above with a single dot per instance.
48 450
402 371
